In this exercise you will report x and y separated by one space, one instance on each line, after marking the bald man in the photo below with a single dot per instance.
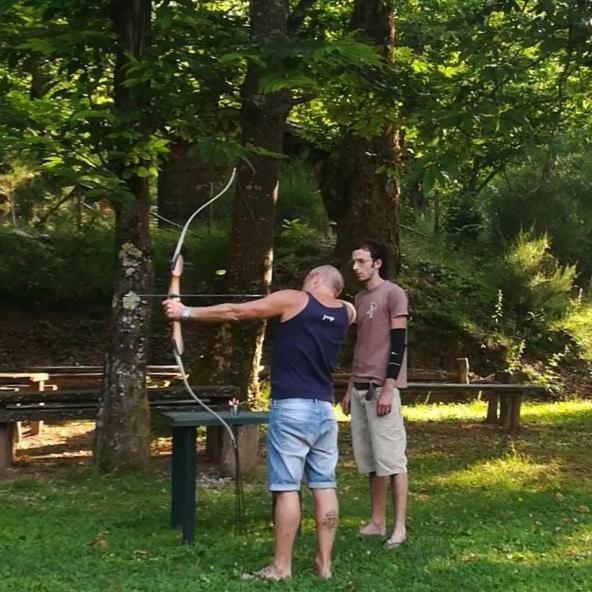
302 434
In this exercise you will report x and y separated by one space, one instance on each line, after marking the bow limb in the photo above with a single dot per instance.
175 293
183 233
178 346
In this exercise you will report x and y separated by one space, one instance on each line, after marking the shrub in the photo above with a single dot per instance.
299 197
578 325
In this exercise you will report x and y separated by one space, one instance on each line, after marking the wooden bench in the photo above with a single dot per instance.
43 378
16 406
34 380
88 377
507 397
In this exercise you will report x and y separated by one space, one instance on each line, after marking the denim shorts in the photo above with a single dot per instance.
301 439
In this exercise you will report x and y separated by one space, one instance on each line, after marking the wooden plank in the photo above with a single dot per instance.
45 414
414 374
199 418
462 370
34 376
86 369
88 409
93 395
474 387
79 412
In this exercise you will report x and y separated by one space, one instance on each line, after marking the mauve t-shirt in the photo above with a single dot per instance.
375 310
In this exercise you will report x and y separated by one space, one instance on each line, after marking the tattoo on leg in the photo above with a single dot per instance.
330 520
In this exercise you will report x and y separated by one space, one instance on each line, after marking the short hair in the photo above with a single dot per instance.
330 275
377 251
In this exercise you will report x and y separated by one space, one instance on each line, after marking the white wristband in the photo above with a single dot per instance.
186 314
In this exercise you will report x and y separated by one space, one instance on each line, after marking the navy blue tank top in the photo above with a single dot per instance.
305 350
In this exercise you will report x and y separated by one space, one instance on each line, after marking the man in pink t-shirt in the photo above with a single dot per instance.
379 371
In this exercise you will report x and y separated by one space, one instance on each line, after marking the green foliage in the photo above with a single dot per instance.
449 301
577 323
298 248
66 267
205 254
534 285
462 220
515 312
299 197
57 269
549 193
483 81
535 299
304 64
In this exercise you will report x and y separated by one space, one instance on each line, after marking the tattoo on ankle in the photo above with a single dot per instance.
330 520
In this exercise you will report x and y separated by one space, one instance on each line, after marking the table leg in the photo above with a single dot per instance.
492 405
176 480
505 411
515 415
187 467
6 445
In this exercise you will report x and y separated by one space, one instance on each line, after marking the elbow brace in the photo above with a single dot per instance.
398 345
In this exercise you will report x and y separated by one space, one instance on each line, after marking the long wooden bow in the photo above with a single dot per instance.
175 293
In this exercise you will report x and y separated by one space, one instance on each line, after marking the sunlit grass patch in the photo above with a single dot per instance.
473 411
534 412
579 412
511 472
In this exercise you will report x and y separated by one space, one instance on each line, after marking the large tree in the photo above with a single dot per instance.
360 179
123 423
263 116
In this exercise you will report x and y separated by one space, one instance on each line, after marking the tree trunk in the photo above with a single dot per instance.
184 183
123 423
437 213
365 203
236 350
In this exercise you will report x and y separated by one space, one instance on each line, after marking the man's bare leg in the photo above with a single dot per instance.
399 484
287 520
377 524
326 519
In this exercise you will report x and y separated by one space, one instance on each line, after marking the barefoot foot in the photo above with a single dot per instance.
323 569
268 573
372 529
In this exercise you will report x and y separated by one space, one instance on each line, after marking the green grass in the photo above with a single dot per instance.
487 512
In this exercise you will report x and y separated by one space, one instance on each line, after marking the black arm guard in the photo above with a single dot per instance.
398 345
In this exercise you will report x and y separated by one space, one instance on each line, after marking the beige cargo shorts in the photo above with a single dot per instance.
379 442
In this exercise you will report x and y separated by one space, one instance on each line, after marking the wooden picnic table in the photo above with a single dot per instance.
509 396
184 459
34 379
62 405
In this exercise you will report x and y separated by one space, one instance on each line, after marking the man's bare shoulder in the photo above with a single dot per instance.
351 311
280 303
289 296
285 301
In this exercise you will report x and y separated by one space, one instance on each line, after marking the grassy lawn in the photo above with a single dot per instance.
487 512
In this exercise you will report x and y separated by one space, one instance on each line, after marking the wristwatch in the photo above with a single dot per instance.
186 314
